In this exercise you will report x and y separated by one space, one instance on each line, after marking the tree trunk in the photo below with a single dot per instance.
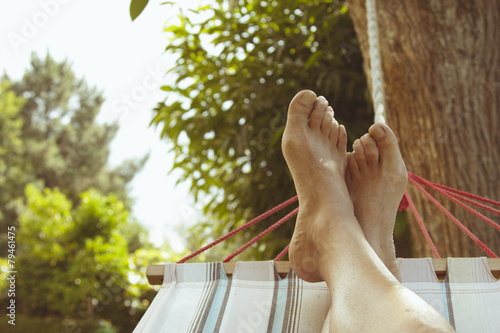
441 68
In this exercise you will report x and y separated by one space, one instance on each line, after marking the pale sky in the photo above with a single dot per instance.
124 59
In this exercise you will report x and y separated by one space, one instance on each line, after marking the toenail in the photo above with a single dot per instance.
377 131
329 109
308 97
322 99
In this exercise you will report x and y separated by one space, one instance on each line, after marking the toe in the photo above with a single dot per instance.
348 176
359 154
300 108
327 123
318 112
352 166
386 141
342 140
334 133
370 148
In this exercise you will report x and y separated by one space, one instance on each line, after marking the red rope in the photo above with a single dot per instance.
475 203
457 196
243 227
282 253
412 179
461 204
403 204
262 234
422 226
465 194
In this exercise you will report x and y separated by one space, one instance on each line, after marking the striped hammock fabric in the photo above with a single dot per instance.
201 298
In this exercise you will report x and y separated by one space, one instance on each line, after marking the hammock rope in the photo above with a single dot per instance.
450 193
475 203
463 194
422 225
460 203
282 253
378 95
243 227
452 217
262 234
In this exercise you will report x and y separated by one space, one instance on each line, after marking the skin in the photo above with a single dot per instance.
376 177
340 236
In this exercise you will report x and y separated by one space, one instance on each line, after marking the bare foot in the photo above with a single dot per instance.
376 177
314 146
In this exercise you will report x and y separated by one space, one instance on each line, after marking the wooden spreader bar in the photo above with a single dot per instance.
154 273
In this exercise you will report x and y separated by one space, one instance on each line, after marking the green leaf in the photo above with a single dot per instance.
313 59
136 8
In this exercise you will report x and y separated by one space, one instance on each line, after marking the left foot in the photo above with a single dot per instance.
376 177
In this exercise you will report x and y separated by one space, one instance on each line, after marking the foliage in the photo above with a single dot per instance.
58 141
139 262
136 235
76 239
236 72
68 146
13 170
75 259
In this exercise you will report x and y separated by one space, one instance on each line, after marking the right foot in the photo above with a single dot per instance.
376 177
314 146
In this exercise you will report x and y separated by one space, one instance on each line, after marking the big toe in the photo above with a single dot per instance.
300 107
386 141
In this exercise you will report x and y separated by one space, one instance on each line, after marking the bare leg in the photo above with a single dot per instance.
376 177
328 243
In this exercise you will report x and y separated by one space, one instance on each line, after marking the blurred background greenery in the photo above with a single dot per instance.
238 63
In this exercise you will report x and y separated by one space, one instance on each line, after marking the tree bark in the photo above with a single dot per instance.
441 69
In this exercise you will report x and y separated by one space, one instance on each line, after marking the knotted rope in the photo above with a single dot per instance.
378 95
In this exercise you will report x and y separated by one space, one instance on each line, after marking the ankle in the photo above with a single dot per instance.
338 206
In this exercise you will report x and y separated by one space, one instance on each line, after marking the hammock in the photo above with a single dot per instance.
201 297
268 296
